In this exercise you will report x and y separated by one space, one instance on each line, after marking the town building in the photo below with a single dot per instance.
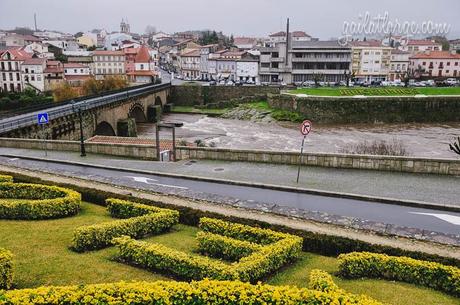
10 69
399 64
205 72
247 69
435 64
54 74
190 63
76 74
244 43
293 36
108 63
304 61
144 68
415 46
370 60
454 45
88 39
17 40
39 49
32 71
124 27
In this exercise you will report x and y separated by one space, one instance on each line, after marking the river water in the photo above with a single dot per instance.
421 140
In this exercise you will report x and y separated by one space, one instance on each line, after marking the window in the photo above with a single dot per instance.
3 65
424 63
18 76
27 70
448 63
74 70
32 78
142 66
65 70
39 78
81 70
4 76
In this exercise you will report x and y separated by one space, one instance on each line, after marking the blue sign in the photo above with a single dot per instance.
42 118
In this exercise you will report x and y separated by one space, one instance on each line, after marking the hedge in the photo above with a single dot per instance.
178 293
6 269
6 178
256 261
146 220
320 243
35 201
405 269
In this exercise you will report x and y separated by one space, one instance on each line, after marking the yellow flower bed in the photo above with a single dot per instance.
178 293
5 178
258 252
137 220
35 201
399 268
6 269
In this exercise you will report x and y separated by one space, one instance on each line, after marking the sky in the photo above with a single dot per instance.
255 18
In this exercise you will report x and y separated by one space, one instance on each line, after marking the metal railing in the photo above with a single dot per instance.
85 103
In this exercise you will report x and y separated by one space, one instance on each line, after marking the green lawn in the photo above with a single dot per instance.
385 91
191 109
42 258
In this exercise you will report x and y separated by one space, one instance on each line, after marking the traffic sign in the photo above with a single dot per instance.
305 128
42 118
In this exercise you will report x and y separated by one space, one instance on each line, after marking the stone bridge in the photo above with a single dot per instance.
114 113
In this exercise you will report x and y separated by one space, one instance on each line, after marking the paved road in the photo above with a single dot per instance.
431 220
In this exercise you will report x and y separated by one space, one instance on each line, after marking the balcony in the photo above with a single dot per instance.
320 59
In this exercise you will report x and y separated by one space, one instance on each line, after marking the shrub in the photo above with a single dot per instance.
381 148
405 269
5 178
34 201
139 220
6 269
180 293
263 252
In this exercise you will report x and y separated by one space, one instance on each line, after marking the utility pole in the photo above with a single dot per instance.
35 21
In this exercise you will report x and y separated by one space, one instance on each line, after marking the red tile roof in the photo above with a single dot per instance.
142 55
422 42
34 61
436 55
18 53
103 52
192 53
244 40
278 34
74 65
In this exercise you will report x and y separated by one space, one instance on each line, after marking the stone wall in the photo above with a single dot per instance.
139 151
382 163
345 110
189 95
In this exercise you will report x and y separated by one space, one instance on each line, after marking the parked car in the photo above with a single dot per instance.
430 83
308 83
212 83
451 82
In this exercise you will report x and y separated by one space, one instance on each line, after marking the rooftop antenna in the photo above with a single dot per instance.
35 21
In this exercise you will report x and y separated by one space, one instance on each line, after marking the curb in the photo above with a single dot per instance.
384 200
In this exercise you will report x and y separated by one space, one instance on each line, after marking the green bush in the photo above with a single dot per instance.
6 269
5 178
256 260
35 201
138 221
178 293
322 281
405 269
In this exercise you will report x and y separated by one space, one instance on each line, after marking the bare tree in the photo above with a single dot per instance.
455 147
317 77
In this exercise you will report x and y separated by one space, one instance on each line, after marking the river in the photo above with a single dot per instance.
421 140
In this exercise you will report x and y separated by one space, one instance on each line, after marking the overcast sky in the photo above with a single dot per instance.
323 18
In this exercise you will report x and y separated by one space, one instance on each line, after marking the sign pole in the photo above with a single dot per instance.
301 158
44 140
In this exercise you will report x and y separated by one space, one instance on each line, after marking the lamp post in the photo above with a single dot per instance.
80 118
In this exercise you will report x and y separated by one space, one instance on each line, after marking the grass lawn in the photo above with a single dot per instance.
191 109
42 258
386 91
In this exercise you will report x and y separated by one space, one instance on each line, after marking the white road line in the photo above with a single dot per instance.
151 181
446 217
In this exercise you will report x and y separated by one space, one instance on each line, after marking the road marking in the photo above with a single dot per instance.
446 217
147 181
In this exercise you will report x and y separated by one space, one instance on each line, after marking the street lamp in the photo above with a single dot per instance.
80 117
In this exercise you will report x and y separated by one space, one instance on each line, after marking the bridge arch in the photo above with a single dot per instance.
158 101
137 113
104 129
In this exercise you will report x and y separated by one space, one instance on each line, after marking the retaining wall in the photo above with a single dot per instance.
139 151
386 109
382 163
188 95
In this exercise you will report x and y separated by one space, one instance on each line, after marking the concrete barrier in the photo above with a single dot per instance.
381 163
138 151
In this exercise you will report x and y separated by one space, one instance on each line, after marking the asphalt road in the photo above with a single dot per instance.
432 220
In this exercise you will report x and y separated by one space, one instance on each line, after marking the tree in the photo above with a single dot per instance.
317 77
150 30
455 147
349 76
64 91
78 34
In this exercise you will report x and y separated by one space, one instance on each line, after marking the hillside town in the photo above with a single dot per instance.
44 59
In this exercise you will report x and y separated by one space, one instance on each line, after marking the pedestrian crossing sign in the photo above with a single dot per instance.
42 118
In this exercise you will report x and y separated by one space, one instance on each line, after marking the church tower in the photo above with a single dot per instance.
124 26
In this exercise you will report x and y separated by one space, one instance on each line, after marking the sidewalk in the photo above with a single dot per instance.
403 186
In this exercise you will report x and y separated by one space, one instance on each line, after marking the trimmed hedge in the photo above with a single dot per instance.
178 293
35 201
145 220
6 269
405 269
5 178
312 242
256 260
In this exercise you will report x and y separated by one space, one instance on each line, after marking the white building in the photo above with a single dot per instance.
440 64
415 46
32 71
16 40
190 63
75 73
108 63
281 37
247 70
39 49
205 72
114 41
399 64
144 67
10 69
370 60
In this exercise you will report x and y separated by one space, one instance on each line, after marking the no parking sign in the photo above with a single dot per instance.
305 129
